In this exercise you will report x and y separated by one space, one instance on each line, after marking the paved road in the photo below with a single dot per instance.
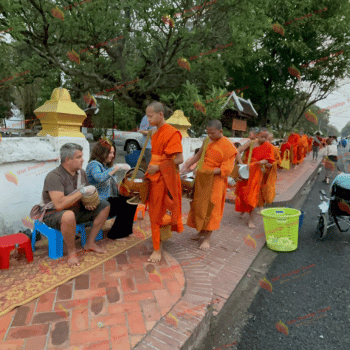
313 301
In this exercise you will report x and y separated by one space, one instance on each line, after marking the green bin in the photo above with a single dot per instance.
281 228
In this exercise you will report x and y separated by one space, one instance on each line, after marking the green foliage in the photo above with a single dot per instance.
149 49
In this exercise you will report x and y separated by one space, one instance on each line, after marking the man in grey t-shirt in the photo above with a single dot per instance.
68 208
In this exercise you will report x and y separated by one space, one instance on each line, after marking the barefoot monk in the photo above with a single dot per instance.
268 183
247 191
215 164
165 194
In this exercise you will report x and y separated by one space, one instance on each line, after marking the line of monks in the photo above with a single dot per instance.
217 159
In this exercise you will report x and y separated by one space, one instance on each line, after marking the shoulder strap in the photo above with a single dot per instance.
141 156
79 179
201 159
250 151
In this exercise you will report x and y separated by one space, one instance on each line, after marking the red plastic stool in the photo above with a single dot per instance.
8 243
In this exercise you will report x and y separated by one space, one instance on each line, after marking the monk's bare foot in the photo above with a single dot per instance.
241 216
73 260
95 248
205 245
155 256
251 224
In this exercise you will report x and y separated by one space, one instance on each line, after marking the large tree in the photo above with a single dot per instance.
291 42
111 43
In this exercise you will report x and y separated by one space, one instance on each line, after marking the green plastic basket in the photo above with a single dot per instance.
281 228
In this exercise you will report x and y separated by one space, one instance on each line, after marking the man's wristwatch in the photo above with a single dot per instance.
82 190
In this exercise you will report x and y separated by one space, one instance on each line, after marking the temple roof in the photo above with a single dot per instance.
243 107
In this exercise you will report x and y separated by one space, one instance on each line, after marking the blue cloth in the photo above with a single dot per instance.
98 176
343 143
145 125
342 180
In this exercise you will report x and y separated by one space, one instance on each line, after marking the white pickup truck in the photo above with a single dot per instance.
129 140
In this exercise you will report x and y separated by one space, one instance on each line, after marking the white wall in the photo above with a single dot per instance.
24 164
190 144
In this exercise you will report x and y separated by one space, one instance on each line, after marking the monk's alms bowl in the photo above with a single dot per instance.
243 171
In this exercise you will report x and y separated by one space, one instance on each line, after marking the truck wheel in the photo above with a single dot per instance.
131 146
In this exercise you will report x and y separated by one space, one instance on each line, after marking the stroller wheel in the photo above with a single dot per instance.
321 230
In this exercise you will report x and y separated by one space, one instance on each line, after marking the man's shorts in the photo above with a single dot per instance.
53 218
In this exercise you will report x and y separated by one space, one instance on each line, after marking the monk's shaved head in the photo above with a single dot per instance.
157 107
214 124
155 114
214 129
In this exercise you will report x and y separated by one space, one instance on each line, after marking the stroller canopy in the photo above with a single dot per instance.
342 180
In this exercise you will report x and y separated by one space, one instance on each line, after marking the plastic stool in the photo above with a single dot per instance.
8 243
55 238
140 208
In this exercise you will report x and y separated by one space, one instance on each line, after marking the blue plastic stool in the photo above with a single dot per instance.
132 158
301 218
55 238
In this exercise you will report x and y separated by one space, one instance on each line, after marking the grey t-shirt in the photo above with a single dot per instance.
60 180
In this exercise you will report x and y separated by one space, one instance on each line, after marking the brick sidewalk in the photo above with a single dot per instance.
127 302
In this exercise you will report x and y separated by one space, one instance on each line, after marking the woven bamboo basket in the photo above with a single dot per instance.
92 199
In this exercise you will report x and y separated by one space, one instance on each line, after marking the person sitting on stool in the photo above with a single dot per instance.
68 209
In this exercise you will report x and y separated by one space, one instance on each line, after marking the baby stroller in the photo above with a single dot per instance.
335 209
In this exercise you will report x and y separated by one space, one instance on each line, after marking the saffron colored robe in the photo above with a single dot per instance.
294 141
276 154
165 196
248 191
285 146
207 207
268 190
302 148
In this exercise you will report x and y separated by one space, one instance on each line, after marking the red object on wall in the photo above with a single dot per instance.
239 125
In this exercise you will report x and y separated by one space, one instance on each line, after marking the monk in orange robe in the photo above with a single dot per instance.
207 207
302 147
294 141
276 150
165 193
285 146
268 183
248 191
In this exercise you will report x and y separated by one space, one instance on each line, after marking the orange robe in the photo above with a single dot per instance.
294 140
268 191
285 146
276 154
302 148
247 191
165 194
207 216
